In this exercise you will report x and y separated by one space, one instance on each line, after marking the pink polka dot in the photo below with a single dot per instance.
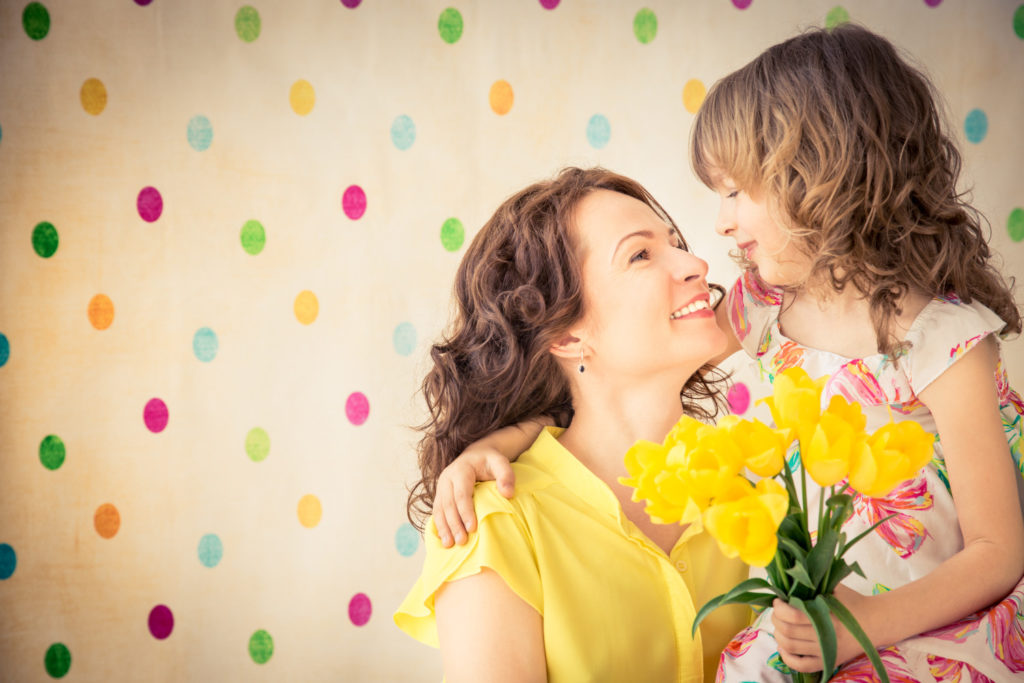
360 609
357 408
549 4
739 398
161 622
150 204
933 3
156 415
351 4
143 3
354 202
742 4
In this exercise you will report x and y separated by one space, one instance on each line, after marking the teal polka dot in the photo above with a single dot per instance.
1014 226
211 550
645 25
8 561
599 131
407 540
404 339
204 344
403 132
200 133
449 25
976 126
5 350
452 234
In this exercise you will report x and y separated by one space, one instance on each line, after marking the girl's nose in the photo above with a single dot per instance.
725 225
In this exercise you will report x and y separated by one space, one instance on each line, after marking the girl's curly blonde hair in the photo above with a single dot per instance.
846 141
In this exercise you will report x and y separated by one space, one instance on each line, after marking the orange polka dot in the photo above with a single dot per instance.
501 97
310 511
107 520
101 311
693 95
306 307
94 96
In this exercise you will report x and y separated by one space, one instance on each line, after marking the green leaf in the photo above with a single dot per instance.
820 558
799 572
847 619
817 610
839 571
795 549
742 592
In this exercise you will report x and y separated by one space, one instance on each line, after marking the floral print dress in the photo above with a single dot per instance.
986 646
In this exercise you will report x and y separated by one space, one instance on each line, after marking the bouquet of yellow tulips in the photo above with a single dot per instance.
702 474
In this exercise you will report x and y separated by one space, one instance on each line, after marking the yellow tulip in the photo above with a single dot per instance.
664 486
712 464
828 450
745 519
795 402
763 448
895 453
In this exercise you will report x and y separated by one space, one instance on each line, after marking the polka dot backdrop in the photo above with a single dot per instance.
227 241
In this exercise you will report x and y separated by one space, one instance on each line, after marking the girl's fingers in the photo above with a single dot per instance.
500 469
463 493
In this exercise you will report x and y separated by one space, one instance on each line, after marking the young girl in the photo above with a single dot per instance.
577 298
864 263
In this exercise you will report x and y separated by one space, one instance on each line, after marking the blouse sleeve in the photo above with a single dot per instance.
753 307
502 543
944 331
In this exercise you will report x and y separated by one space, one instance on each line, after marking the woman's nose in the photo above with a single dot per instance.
690 267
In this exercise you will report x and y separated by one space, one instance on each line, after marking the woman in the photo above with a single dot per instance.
578 300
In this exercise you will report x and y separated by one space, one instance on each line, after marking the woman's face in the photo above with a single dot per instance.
646 298
758 236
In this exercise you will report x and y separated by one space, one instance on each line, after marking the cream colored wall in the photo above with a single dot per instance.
381 284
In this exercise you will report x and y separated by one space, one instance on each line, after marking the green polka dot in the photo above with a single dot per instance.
645 25
261 647
449 25
257 444
58 660
36 20
1015 224
253 237
45 239
51 452
1018 22
837 15
452 234
247 23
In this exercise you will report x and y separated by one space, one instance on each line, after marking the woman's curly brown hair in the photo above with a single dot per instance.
517 290
845 140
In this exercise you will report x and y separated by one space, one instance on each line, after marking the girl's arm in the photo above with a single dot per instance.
484 460
983 481
488 633
722 318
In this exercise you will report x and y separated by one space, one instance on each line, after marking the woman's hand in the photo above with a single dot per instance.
453 511
798 644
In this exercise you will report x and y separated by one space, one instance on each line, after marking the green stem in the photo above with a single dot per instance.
806 678
821 510
803 500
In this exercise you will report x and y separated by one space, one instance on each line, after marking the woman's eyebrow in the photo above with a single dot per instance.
639 233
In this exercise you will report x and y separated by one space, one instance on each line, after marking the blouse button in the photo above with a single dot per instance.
681 566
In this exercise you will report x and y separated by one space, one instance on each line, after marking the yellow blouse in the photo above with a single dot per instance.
615 607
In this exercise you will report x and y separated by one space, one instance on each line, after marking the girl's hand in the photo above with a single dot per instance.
798 644
453 511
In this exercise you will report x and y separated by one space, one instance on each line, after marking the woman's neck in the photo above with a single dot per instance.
608 419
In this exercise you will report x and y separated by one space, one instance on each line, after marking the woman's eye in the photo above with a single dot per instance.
641 255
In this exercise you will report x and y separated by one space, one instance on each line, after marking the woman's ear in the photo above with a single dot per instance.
567 347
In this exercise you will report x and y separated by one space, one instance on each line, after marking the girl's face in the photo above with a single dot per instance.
646 298
759 237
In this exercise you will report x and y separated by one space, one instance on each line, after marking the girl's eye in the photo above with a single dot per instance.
641 255
732 194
